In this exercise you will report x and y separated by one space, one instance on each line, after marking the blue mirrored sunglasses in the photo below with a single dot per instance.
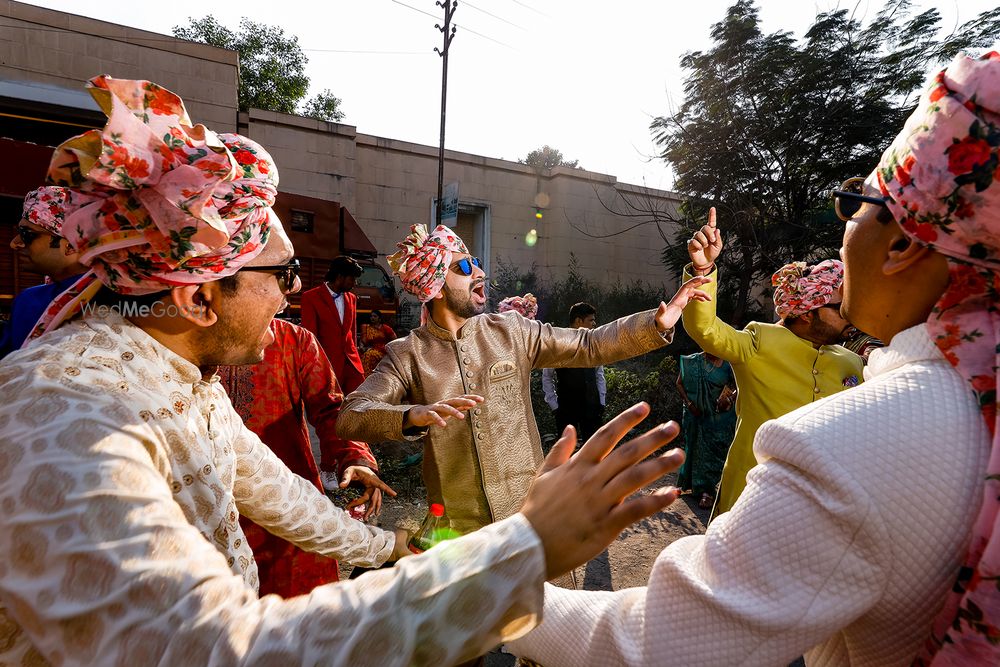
466 263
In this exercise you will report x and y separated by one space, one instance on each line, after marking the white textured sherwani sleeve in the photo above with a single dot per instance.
842 547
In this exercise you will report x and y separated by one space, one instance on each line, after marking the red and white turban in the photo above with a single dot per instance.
799 288
527 305
47 206
942 177
151 201
423 259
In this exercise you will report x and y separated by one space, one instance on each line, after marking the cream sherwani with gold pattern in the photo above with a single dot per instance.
122 476
480 467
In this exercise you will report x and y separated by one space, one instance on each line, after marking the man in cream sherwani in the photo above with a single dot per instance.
867 534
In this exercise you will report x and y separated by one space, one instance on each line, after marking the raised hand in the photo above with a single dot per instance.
668 313
579 505
705 246
438 414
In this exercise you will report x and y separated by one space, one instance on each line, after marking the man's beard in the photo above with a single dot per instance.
828 334
460 303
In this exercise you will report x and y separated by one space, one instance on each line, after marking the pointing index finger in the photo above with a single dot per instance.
711 217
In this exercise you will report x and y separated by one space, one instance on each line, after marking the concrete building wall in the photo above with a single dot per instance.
47 48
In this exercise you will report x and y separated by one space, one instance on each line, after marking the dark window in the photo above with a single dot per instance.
302 221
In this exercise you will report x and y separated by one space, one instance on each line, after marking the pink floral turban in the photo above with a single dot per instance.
151 201
941 175
422 260
799 288
47 206
527 305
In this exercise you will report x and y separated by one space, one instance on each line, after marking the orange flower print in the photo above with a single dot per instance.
136 168
245 157
963 282
161 101
966 154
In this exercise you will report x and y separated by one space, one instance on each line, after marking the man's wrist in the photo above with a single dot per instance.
702 270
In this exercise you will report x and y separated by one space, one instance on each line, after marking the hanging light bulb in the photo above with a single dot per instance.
531 238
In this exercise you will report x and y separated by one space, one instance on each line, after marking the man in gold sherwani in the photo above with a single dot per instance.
461 380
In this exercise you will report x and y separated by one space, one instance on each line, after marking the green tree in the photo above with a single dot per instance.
324 106
770 124
547 157
272 65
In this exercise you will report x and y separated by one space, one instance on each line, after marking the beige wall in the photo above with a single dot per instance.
39 45
389 185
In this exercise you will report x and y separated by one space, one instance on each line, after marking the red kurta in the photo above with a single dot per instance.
294 381
320 316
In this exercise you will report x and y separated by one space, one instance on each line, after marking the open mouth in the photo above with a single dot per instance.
479 290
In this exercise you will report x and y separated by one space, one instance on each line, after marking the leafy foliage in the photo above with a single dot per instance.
324 106
770 124
546 157
272 65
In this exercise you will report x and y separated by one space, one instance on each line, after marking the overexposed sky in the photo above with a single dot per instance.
582 76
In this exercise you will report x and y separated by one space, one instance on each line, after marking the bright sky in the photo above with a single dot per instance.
584 77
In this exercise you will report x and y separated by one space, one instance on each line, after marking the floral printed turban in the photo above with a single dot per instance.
151 201
942 180
47 206
527 305
799 289
422 260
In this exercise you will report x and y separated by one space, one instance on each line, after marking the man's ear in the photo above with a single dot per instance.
197 303
903 253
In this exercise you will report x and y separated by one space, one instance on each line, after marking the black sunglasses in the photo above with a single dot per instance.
28 235
466 263
288 274
848 199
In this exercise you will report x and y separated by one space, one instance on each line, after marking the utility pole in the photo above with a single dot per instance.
448 30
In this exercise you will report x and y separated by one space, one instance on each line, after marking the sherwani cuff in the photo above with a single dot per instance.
648 335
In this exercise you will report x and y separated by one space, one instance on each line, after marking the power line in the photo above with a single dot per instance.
387 53
469 30
531 8
484 36
416 9
466 3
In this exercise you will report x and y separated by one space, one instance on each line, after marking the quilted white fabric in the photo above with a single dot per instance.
842 547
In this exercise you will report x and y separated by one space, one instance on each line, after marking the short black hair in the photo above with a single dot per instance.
579 311
342 265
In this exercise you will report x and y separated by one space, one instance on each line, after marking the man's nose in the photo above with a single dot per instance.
16 243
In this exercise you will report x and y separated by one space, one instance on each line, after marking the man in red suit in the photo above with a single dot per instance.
330 312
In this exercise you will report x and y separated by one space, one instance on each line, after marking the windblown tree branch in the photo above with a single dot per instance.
771 124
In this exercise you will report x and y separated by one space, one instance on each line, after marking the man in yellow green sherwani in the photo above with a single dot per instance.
779 367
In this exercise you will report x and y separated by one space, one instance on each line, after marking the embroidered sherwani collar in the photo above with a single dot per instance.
469 328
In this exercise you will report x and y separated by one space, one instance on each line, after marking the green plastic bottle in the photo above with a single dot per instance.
434 529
